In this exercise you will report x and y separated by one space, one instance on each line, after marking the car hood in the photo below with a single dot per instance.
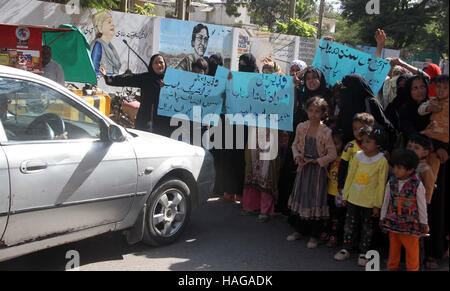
149 145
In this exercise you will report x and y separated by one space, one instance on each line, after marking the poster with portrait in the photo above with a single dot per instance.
104 30
181 42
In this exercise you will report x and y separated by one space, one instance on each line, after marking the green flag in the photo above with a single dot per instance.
71 50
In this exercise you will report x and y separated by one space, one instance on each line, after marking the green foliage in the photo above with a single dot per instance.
281 27
296 27
144 10
268 12
409 24
100 4
306 10
231 8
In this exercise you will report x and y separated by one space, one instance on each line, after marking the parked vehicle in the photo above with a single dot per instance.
67 172
124 108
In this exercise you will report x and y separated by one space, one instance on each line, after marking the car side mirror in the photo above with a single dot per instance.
116 133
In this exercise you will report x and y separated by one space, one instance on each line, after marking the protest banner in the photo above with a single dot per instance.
222 73
184 90
252 94
336 61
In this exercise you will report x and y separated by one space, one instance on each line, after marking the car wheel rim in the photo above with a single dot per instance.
168 213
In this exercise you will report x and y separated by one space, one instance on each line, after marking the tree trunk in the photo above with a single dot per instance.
319 28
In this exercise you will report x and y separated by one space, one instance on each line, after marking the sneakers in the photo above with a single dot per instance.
342 255
362 261
294 236
312 243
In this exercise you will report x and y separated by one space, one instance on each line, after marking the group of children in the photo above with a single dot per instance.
361 183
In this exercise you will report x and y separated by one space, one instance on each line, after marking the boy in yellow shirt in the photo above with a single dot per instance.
364 192
360 120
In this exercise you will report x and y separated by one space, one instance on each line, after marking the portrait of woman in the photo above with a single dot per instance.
103 53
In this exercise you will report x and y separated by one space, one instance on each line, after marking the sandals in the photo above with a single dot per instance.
312 243
362 260
342 255
262 218
294 236
248 213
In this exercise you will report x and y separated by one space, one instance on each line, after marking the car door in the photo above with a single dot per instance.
4 192
65 176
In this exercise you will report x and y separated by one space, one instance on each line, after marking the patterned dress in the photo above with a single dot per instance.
309 196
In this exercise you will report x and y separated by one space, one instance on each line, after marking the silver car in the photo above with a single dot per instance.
67 172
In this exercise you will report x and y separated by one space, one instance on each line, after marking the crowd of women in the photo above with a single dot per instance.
358 166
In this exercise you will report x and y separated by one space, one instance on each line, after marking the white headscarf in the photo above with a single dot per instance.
299 63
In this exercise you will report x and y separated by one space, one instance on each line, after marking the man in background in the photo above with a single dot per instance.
51 69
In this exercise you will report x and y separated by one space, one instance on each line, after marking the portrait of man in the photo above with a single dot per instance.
199 42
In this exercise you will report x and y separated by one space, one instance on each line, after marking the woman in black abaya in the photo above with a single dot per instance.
356 96
150 83
230 163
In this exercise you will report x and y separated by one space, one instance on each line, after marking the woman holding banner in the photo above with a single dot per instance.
150 83
230 171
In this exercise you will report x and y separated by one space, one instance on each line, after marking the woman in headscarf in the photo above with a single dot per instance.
230 166
213 62
401 97
288 168
150 83
356 96
410 121
261 176
313 84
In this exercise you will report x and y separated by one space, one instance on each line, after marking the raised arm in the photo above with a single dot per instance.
380 37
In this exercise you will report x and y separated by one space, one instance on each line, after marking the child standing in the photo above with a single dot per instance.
438 128
404 211
421 146
363 193
360 120
335 227
261 177
313 149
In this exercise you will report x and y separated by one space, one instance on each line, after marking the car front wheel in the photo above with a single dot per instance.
168 213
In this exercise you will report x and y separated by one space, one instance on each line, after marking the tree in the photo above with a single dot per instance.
296 27
268 12
409 24
306 10
231 8
144 10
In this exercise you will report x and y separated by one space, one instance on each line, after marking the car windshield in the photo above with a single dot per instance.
22 102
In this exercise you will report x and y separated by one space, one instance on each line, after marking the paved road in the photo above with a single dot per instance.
217 239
